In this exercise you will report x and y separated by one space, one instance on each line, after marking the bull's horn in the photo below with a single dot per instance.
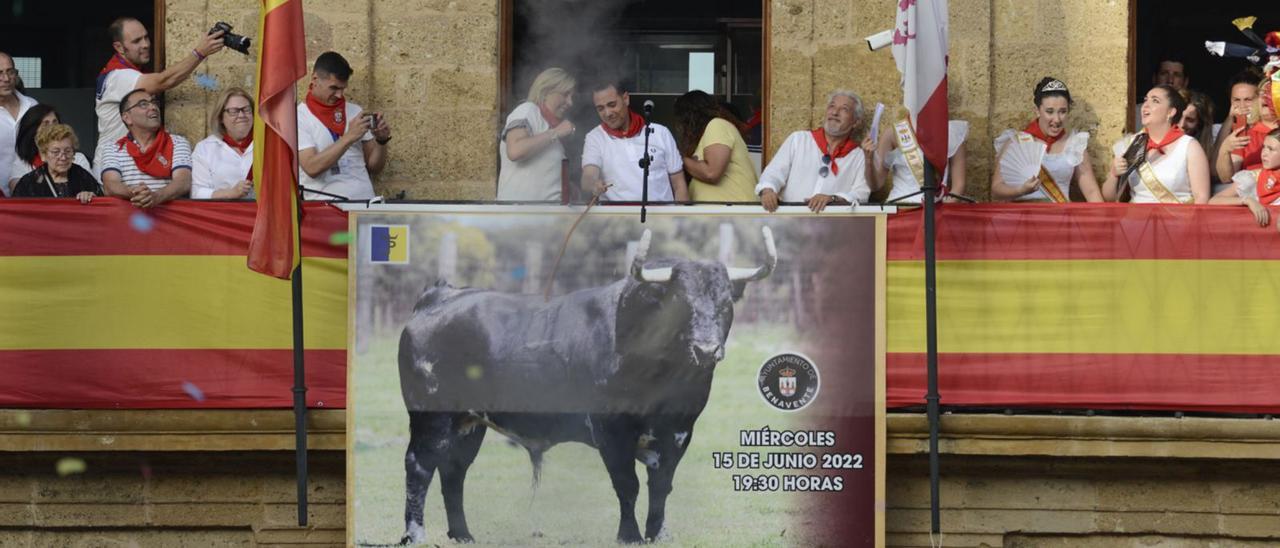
639 272
762 272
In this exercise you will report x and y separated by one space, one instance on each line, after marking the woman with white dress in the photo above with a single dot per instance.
223 161
1065 159
1175 169
904 187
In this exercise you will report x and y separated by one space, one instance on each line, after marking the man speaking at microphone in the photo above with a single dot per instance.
612 152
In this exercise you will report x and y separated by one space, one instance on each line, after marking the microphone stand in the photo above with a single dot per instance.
645 160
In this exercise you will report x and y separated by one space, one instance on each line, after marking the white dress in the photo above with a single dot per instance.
1170 168
904 180
1247 185
1060 165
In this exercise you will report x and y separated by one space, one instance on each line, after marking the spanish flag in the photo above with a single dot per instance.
274 247
1091 306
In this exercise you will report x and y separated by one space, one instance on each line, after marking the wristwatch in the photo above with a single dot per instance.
382 142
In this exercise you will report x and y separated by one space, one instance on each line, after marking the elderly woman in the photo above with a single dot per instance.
1175 169
714 152
223 161
1064 161
28 155
58 176
530 151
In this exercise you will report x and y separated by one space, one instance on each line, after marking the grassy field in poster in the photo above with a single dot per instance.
575 503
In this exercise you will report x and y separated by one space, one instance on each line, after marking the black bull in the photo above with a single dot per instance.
625 368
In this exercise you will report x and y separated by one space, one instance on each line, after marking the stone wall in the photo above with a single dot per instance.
998 53
432 66
162 499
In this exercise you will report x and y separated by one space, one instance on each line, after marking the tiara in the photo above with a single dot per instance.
1053 85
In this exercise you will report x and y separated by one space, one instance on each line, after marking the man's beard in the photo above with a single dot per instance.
833 129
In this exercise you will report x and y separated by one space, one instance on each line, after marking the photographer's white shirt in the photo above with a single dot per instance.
349 176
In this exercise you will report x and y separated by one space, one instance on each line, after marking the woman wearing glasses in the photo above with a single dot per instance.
223 162
58 176
27 156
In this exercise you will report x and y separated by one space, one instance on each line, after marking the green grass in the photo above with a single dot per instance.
575 504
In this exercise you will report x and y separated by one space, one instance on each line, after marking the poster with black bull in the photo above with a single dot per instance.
707 378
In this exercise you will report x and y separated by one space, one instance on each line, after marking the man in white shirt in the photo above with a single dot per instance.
123 74
148 166
13 104
329 129
820 166
612 152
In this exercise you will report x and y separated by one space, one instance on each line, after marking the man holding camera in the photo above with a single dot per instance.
123 74
329 127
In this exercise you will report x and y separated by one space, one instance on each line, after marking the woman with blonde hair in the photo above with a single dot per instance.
223 161
530 150
58 176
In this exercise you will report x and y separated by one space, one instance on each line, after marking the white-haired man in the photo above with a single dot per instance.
820 166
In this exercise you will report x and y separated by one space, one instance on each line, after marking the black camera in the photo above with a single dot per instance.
231 39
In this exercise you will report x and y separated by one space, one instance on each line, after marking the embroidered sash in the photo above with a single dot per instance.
910 150
1147 175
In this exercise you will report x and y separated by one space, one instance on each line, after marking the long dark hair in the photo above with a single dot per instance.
25 141
694 110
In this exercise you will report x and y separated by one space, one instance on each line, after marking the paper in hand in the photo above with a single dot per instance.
875 123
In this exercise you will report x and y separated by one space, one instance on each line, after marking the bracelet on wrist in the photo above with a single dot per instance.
197 54
382 142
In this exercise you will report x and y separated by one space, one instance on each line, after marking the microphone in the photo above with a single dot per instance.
648 107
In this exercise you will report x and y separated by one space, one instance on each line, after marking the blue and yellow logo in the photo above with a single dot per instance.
389 244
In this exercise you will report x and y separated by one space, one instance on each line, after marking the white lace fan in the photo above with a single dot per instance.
1021 161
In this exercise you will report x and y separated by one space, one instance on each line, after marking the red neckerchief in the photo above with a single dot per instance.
37 161
550 117
157 160
239 146
334 117
1268 186
636 124
820 137
1034 129
1174 133
118 62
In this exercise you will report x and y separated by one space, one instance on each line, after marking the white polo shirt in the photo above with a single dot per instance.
8 138
117 84
349 176
215 166
795 172
619 163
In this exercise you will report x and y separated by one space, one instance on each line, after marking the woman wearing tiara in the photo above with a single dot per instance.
1169 166
904 186
1061 162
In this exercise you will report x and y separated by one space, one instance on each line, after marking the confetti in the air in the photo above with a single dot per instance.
193 391
475 372
207 82
23 419
70 465
340 238
141 222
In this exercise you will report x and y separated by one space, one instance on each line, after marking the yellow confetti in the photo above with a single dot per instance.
70 465
23 419
475 372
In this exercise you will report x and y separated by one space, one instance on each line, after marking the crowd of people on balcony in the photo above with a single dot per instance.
1181 153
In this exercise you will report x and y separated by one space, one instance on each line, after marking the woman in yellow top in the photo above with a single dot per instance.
714 153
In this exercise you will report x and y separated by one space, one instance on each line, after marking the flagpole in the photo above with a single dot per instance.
931 343
299 381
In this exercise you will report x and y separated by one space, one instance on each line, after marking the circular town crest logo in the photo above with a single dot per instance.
788 381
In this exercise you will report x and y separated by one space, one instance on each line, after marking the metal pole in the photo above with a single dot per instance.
299 386
931 343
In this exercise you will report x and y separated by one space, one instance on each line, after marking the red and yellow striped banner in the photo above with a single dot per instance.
1098 306
109 307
